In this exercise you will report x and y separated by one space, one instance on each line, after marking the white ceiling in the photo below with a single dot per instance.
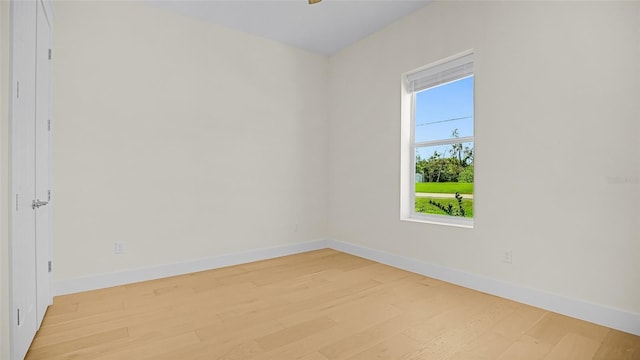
323 28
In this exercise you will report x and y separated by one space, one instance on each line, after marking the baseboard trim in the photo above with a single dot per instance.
598 314
105 280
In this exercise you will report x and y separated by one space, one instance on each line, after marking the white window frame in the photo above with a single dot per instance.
428 73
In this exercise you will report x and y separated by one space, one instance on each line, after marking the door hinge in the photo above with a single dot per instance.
17 198
49 54
18 90
18 316
49 124
49 195
49 266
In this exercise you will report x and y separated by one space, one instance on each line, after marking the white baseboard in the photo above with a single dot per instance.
598 314
100 281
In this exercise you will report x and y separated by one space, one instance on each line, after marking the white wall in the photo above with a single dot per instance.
182 139
4 180
557 129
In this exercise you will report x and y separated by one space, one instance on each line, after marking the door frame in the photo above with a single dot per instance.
43 111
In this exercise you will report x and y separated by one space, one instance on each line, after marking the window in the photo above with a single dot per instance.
437 142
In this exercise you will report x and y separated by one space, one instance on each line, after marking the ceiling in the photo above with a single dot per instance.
324 28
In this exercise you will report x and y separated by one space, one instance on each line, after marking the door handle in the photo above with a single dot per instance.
37 203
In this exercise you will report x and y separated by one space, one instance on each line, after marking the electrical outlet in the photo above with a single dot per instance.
507 256
295 227
119 248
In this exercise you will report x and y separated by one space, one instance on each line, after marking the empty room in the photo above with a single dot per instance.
296 179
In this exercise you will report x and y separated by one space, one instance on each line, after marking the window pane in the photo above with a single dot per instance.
445 163
441 172
445 111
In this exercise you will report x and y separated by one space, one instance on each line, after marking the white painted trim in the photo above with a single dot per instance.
614 318
444 220
100 281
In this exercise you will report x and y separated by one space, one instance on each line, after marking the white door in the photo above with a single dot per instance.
23 244
30 172
42 162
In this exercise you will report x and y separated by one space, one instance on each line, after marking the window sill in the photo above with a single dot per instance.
440 220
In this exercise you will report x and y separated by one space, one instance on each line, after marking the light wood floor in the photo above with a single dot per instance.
314 306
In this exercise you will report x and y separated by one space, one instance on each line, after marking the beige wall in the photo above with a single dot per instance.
4 180
558 162
182 139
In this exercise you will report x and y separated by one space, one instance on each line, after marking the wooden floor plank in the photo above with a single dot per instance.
294 333
352 344
573 347
526 348
493 343
618 345
319 305
390 349
71 345
151 348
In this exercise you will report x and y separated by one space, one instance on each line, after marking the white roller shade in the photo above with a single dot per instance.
442 73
